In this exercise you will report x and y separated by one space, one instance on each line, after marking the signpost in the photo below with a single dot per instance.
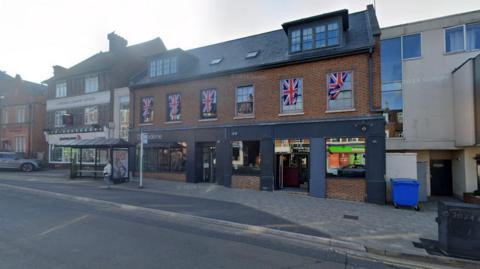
143 139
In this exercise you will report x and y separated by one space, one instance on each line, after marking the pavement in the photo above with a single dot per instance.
379 228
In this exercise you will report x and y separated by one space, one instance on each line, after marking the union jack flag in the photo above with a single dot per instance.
290 91
174 105
147 109
209 100
335 84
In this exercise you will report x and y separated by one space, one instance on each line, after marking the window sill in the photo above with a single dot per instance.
413 58
173 122
340 110
145 124
244 117
291 114
207 120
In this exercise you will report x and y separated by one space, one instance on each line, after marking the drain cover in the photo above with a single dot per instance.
352 217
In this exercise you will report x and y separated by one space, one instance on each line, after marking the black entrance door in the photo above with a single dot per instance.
441 180
208 163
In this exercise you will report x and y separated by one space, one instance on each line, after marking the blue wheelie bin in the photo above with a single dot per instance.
405 192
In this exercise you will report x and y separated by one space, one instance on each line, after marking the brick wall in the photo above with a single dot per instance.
267 93
347 189
246 182
165 176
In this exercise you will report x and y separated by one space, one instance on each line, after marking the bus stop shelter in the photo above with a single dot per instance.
89 156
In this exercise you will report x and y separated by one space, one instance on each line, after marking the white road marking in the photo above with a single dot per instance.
61 226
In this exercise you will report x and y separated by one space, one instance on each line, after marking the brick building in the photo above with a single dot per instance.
292 109
22 105
91 99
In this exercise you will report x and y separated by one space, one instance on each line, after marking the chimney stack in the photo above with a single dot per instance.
116 42
58 70
18 77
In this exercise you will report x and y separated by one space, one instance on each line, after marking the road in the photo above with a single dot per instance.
43 231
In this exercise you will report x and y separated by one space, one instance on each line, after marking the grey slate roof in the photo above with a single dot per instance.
273 48
7 81
104 60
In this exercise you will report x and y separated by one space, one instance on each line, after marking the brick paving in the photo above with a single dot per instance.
380 227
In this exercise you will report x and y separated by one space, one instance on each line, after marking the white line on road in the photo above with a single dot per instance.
63 225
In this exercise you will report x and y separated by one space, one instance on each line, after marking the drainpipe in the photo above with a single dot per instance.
370 80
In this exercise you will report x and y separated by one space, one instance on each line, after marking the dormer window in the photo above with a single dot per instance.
295 42
315 36
216 61
163 66
252 54
307 38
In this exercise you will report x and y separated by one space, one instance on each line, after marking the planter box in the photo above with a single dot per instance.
469 198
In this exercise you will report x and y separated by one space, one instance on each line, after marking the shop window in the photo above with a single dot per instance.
165 157
346 158
60 154
174 107
146 109
246 157
124 115
88 156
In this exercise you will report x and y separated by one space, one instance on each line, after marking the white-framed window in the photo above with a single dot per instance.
124 102
20 142
91 83
462 38
291 95
163 66
61 89
61 154
21 111
244 96
5 115
340 91
91 115
59 118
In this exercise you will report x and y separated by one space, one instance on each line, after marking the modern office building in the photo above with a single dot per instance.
292 109
431 99
91 99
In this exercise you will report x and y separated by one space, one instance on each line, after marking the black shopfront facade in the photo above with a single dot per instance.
209 150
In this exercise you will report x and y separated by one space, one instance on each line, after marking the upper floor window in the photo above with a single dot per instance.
163 66
174 107
58 121
21 111
332 34
454 39
291 95
307 38
462 38
391 73
340 91
412 47
244 101
61 89
146 109
295 41
318 36
208 104
91 83
91 115
5 115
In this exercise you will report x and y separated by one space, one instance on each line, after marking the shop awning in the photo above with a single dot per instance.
95 143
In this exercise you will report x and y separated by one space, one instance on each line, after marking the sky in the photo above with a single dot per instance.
37 34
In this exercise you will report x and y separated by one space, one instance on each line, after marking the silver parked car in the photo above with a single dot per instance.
10 160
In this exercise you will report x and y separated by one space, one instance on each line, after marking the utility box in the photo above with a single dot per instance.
459 229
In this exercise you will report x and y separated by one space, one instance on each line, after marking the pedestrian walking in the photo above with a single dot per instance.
107 173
